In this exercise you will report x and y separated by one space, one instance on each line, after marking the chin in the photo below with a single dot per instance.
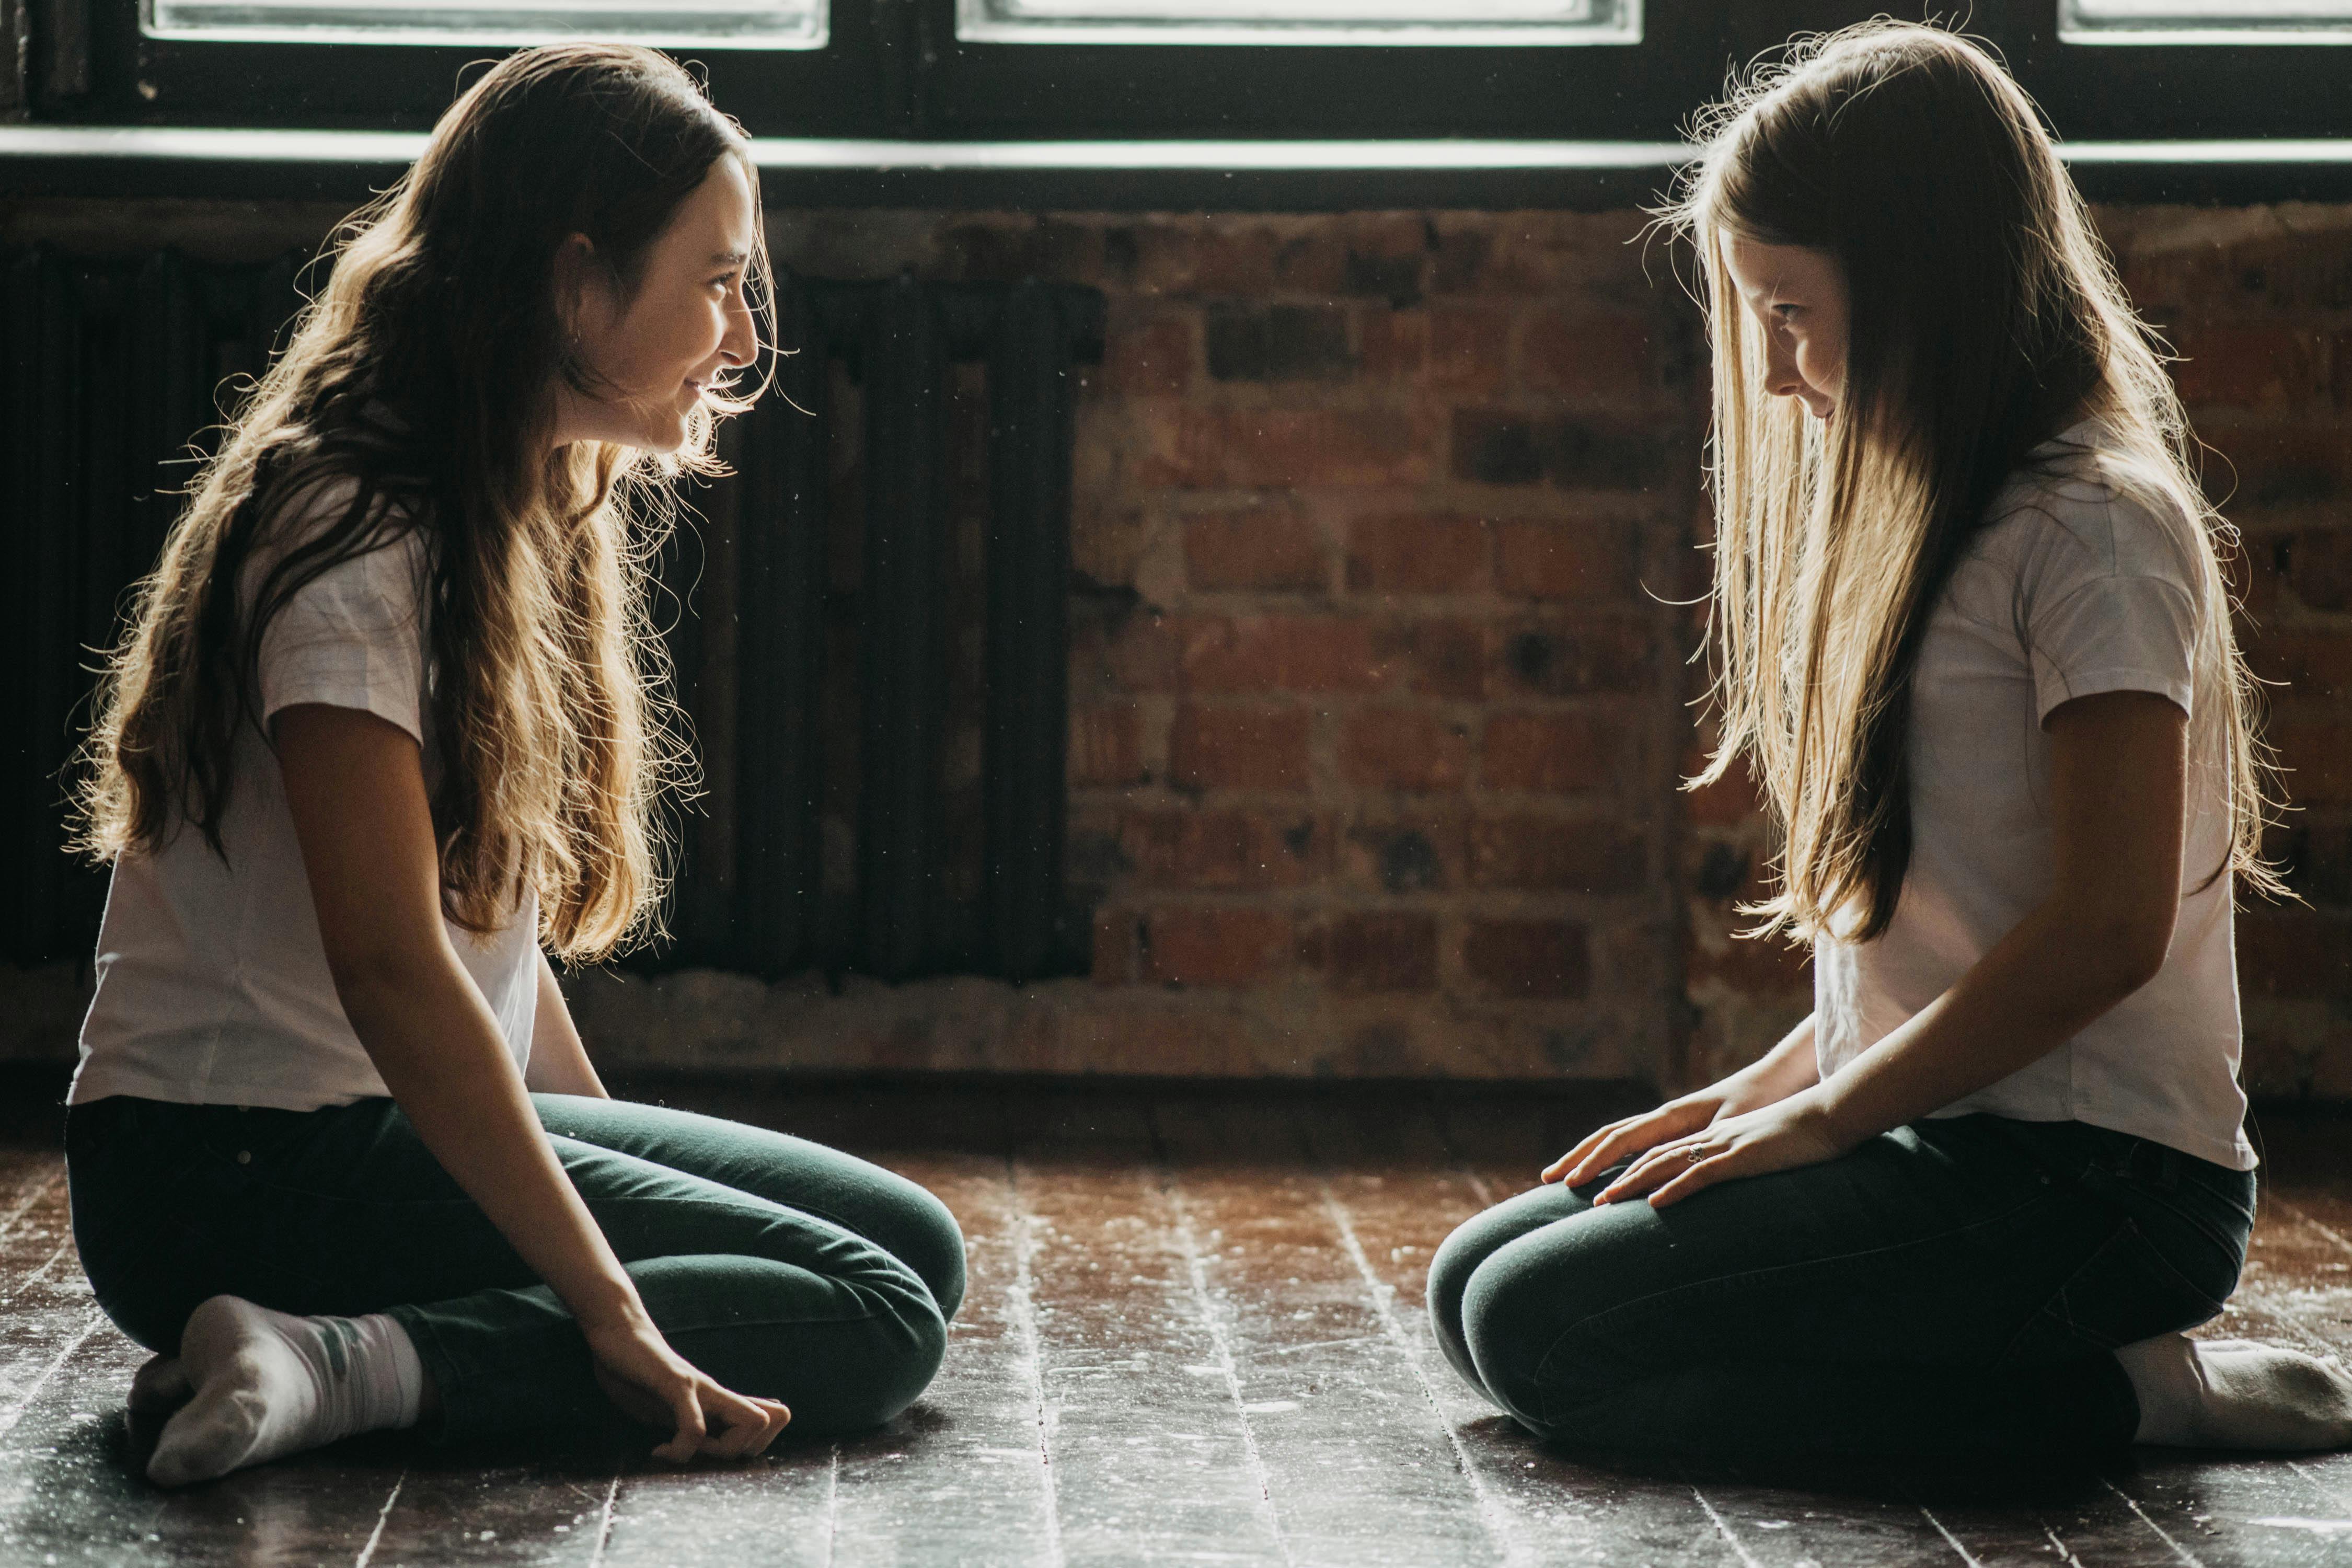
662 441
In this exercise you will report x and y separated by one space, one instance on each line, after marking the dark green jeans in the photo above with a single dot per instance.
1950 1290
781 1268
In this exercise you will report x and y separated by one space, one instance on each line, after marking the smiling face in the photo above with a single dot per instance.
650 354
1797 296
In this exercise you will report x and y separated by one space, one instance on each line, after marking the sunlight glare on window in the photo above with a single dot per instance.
2205 21
1418 22
701 23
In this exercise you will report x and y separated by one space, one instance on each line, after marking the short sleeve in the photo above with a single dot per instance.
2114 610
353 636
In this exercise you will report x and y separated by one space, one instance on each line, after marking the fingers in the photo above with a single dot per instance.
1621 1139
726 1424
750 1425
1575 1157
1705 1174
1652 1170
1617 1135
775 1416
686 1407
710 1421
1621 1146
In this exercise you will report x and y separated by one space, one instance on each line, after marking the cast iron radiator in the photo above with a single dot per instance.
824 840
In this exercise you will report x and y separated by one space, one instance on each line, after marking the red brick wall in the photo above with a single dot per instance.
1374 727
2259 303
1377 710
1376 730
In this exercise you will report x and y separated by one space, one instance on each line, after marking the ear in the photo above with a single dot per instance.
582 288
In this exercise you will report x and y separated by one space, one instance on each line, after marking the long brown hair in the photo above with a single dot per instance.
1986 317
416 389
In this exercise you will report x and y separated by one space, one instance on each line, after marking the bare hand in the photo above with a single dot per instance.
1782 1137
1624 1139
641 1373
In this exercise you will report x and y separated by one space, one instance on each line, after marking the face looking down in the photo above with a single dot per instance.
651 354
1797 296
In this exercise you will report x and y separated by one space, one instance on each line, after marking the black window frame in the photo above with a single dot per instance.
895 69
856 86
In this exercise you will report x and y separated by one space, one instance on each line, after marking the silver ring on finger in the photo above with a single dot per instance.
1693 1154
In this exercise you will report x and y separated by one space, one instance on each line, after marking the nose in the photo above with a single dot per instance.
1780 377
741 344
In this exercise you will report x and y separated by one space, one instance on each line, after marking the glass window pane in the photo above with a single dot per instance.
2205 21
1299 21
705 23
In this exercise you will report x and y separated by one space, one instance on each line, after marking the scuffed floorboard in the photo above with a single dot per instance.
1195 1333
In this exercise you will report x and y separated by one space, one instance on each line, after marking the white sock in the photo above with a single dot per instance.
2237 1393
267 1384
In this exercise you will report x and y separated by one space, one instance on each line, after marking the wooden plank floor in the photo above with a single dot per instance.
1195 1335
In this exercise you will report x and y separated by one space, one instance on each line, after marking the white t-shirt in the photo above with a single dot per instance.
212 986
2074 590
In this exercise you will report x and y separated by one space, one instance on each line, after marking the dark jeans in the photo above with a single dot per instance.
1949 1289
781 1268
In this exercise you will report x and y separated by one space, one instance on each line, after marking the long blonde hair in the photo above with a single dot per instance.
549 701
1986 317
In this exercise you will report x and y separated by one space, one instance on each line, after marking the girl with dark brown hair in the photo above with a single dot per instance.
387 729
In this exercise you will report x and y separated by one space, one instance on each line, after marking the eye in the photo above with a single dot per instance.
1788 313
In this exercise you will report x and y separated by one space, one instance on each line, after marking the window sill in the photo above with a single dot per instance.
1131 176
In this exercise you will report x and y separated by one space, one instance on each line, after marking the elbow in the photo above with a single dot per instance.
2124 951
371 979
2137 969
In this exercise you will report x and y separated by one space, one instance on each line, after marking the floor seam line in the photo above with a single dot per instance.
2187 1556
8 1230
9 1418
2315 1484
383 1518
604 1521
1501 1527
1024 1305
1966 1556
35 1277
2065 1553
1196 1271
833 1503
2283 1314
8 1222
1723 1528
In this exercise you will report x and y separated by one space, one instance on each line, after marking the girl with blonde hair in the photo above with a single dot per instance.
387 729
1973 639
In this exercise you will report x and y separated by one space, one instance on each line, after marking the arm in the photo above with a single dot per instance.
558 1061
2118 789
355 787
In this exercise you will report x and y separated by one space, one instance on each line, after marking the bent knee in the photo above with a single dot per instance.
1529 1334
920 1362
928 1240
1507 1342
896 1376
1450 1270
